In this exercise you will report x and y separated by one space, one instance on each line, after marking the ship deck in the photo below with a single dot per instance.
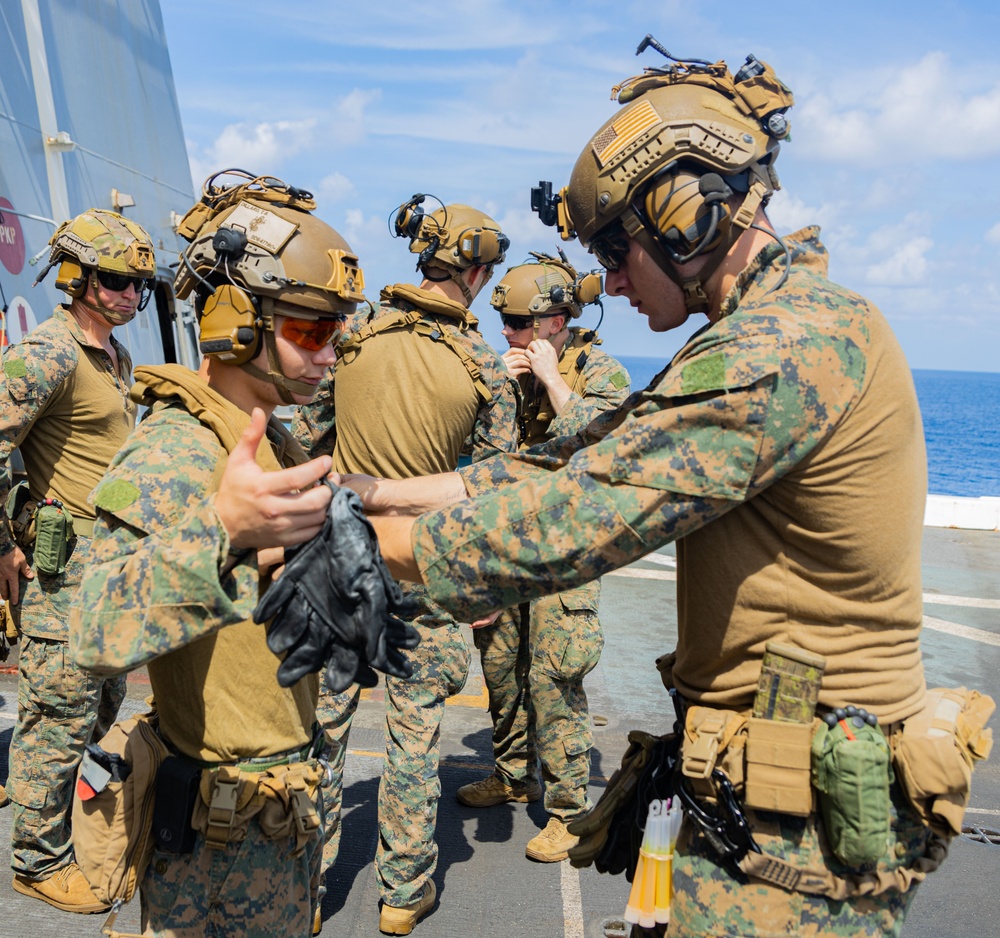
487 887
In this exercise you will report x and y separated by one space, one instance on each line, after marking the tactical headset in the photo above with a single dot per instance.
231 324
476 245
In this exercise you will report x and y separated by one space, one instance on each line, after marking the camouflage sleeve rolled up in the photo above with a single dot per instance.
607 386
154 581
741 405
33 370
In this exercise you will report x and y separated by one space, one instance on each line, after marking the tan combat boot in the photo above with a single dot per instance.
494 790
400 921
67 889
552 844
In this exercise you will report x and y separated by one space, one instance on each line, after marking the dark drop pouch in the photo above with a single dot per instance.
177 783
852 772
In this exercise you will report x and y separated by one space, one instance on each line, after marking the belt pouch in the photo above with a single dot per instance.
176 793
778 766
53 532
852 775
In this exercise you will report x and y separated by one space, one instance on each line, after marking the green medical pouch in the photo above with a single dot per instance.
53 532
852 772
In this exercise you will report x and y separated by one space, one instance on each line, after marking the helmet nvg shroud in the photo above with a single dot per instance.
256 252
545 286
101 240
450 239
682 168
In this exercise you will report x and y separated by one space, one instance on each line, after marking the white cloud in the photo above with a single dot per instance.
993 235
348 120
334 188
257 147
906 266
925 110
789 213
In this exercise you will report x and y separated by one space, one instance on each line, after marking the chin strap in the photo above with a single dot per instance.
111 316
455 274
286 386
695 298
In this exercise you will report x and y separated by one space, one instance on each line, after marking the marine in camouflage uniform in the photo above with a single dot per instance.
64 402
193 514
440 388
537 654
781 449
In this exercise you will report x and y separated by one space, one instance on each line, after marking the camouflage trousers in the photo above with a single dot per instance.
409 789
255 888
534 661
60 708
709 901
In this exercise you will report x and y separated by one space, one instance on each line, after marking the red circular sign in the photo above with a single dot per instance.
11 239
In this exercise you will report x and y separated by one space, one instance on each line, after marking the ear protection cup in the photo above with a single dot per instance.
230 326
588 288
409 218
482 246
71 279
688 212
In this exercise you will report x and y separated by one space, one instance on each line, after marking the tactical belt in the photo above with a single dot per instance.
727 829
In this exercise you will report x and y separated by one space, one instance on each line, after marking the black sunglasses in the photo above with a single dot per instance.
119 283
517 323
610 247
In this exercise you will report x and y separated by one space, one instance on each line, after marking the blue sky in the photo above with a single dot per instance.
894 150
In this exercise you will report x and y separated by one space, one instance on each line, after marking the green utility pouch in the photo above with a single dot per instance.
53 533
852 772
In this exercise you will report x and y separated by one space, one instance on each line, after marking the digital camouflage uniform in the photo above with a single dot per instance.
537 654
782 449
163 590
432 402
65 406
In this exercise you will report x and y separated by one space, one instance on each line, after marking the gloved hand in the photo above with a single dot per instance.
611 832
336 604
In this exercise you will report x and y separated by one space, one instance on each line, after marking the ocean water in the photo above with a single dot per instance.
961 413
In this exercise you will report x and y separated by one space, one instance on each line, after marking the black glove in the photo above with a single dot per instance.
611 832
336 604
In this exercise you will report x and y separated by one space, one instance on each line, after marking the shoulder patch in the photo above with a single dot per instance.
619 379
15 368
116 495
707 373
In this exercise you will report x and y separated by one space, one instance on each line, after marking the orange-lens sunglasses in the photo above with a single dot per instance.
312 334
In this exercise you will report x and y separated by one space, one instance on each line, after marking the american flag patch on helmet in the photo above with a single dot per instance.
622 131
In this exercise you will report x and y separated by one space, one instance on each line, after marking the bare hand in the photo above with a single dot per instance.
543 360
12 565
270 561
270 509
486 620
516 362
374 492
